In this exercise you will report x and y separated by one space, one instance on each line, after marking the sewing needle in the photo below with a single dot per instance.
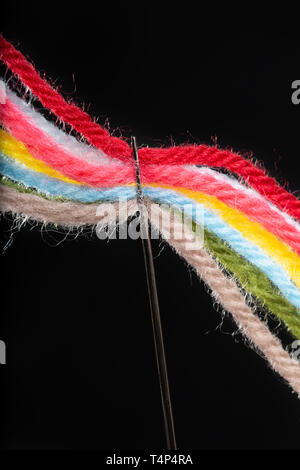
154 307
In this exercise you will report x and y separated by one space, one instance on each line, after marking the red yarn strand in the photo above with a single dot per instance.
53 101
214 157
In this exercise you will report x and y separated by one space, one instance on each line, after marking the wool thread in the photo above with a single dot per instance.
41 147
255 207
197 155
70 214
213 222
251 224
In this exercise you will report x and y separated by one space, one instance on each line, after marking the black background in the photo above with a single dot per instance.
81 370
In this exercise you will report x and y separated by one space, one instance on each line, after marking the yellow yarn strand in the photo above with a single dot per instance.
252 231
18 151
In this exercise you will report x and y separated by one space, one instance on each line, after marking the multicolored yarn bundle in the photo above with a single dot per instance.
250 257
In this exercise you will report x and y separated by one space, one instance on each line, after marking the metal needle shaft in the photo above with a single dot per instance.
155 314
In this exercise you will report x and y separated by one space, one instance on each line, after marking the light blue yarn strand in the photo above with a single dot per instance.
54 187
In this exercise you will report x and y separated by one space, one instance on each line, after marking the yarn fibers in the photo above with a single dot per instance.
250 254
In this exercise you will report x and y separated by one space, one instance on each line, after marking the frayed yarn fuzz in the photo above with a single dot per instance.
251 225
